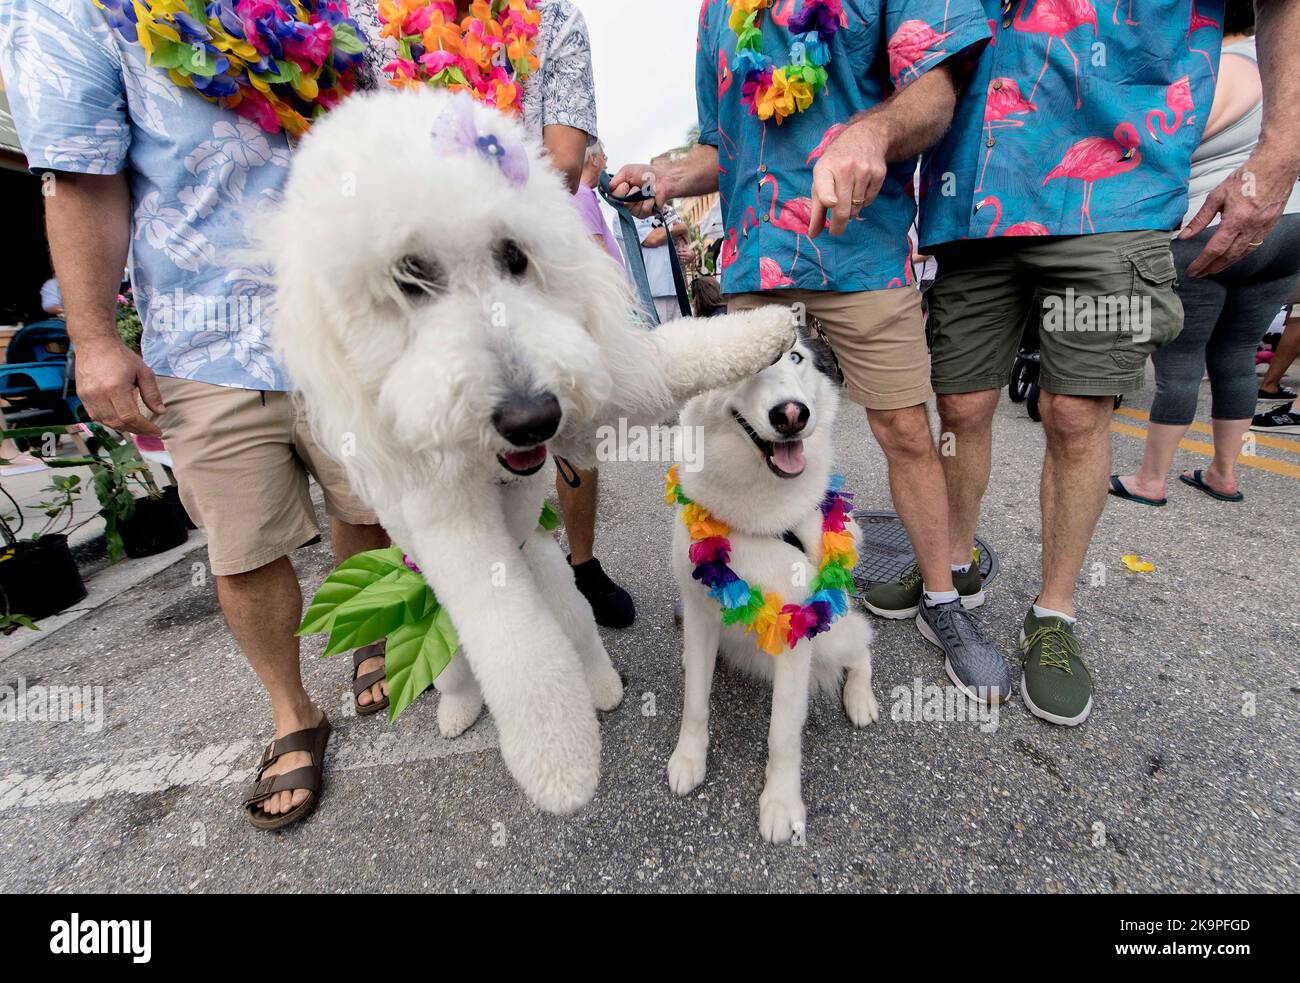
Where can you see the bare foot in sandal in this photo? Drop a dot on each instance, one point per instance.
(369, 685)
(310, 729)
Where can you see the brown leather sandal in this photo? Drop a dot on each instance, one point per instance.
(312, 741)
(362, 683)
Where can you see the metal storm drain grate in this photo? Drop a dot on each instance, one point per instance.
(886, 552)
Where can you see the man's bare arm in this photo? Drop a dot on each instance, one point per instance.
(567, 148)
(852, 170)
(88, 222)
(694, 174)
(1252, 199)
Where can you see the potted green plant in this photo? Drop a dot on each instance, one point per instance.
(38, 575)
(139, 518)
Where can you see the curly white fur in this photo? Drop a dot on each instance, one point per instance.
(403, 389)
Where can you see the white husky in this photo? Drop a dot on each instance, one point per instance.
(450, 325)
(767, 454)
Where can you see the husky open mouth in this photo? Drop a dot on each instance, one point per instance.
(785, 458)
(524, 463)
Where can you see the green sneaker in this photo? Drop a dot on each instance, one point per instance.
(902, 600)
(1056, 685)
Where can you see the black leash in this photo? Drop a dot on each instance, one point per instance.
(635, 261)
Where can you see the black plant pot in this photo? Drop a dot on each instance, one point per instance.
(41, 578)
(173, 495)
(155, 527)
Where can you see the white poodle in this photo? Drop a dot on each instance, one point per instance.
(450, 324)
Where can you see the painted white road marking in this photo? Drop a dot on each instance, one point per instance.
(222, 764)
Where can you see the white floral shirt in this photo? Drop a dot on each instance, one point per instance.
(84, 101)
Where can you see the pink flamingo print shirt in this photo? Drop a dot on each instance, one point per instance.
(1081, 117)
(766, 169)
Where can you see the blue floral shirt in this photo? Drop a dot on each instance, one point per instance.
(1081, 116)
(766, 169)
(84, 101)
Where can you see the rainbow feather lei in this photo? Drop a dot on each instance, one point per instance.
(770, 91)
(775, 625)
(488, 54)
(278, 63)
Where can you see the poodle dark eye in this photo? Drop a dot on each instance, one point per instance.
(417, 277)
(512, 258)
(796, 357)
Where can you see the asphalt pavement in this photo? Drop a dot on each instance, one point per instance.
(1186, 777)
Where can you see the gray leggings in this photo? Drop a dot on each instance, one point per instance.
(1226, 316)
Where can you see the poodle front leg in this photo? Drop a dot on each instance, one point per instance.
(702, 630)
(525, 664)
(781, 812)
(696, 357)
(547, 561)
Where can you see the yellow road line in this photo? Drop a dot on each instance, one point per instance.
(1261, 440)
(1207, 450)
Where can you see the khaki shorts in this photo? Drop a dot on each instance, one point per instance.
(878, 337)
(242, 460)
(1104, 303)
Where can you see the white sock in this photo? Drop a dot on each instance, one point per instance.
(934, 598)
(961, 569)
(1041, 612)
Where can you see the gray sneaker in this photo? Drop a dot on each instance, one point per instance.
(976, 667)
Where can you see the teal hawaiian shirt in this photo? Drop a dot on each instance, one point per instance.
(766, 169)
(1080, 117)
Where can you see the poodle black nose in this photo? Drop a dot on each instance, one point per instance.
(789, 418)
(528, 420)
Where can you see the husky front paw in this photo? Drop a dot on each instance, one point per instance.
(686, 768)
(859, 701)
(781, 815)
(457, 712)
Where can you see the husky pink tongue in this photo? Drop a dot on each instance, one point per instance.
(526, 460)
(789, 458)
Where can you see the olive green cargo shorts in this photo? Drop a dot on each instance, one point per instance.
(1104, 303)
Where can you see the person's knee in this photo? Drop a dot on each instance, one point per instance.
(903, 434)
(967, 412)
(1075, 420)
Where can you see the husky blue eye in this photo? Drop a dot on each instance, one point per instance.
(796, 357)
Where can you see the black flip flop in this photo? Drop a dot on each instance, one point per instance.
(1119, 491)
(1197, 481)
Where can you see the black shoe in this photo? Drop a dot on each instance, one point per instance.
(1283, 395)
(1280, 420)
(610, 603)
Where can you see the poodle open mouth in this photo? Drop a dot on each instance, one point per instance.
(785, 458)
(524, 463)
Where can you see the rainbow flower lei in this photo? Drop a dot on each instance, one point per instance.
(278, 63)
(775, 625)
(488, 54)
(780, 92)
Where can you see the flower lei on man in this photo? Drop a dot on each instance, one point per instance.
(769, 91)
(774, 624)
(488, 54)
(279, 63)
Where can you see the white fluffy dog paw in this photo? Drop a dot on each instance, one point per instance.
(859, 701)
(551, 744)
(781, 815)
(686, 769)
(606, 687)
(457, 712)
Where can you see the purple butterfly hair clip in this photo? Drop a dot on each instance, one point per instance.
(456, 133)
